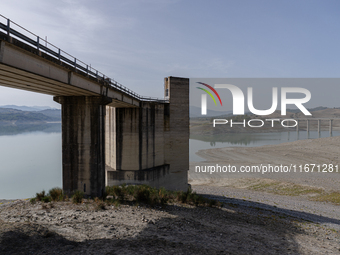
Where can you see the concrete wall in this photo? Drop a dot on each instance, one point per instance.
(83, 137)
(151, 142)
(140, 137)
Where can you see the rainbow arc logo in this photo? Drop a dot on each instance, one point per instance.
(204, 97)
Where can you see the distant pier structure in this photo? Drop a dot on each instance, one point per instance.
(309, 121)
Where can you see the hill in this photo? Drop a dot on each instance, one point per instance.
(53, 113)
(27, 108)
(10, 116)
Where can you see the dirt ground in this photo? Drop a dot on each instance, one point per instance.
(64, 228)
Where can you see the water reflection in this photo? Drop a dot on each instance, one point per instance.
(243, 139)
(30, 162)
(27, 128)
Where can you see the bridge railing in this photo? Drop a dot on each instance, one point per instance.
(18, 32)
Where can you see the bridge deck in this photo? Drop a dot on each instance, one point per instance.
(27, 64)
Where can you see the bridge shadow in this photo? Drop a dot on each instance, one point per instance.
(235, 229)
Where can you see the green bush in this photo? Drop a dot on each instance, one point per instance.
(56, 194)
(40, 195)
(130, 190)
(116, 191)
(163, 196)
(142, 194)
(196, 199)
(77, 197)
(46, 199)
(182, 196)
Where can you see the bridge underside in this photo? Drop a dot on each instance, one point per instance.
(26, 68)
(19, 79)
(106, 132)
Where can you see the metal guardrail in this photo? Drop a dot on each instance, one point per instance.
(43, 45)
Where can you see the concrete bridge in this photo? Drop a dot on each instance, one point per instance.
(110, 135)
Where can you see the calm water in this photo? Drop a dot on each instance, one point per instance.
(31, 160)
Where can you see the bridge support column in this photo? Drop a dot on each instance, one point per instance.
(83, 144)
(177, 137)
(150, 144)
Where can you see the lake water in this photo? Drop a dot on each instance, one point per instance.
(31, 160)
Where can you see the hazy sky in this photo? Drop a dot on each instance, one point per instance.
(139, 42)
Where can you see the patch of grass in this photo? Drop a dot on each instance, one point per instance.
(333, 197)
(290, 189)
(286, 189)
(264, 186)
(77, 197)
(56, 194)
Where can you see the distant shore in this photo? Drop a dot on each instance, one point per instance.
(204, 125)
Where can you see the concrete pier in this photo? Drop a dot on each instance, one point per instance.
(150, 144)
(308, 126)
(319, 126)
(83, 144)
(307, 129)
